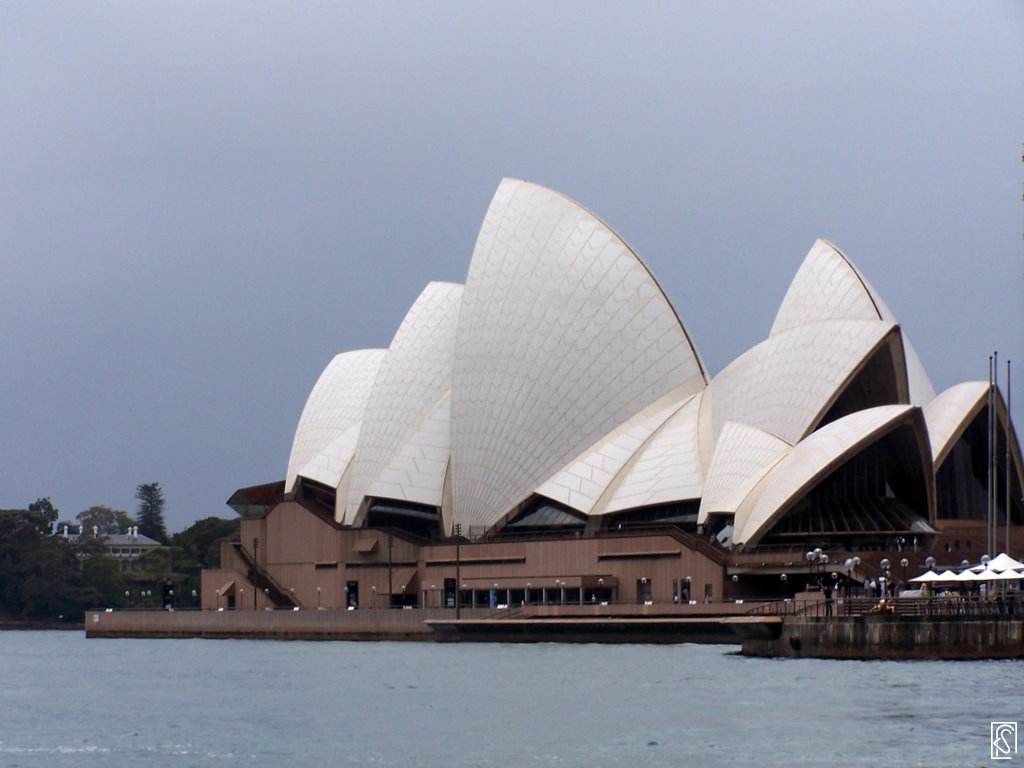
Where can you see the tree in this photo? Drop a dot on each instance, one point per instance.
(200, 542)
(105, 520)
(39, 573)
(45, 507)
(103, 582)
(151, 511)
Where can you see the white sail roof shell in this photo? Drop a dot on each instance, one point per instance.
(950, 413)
(563, 336)
(829, 287)
(417, 470)
(812, 460)
(326, 434)
(414, 376)
(583, 482)
(786, 383)
(742, 456)
(665, 469)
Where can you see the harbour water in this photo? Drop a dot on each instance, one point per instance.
(66, 701)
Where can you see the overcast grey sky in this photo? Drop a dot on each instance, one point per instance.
(201, 203)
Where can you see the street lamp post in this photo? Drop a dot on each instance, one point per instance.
(904, 562)
(850, 566)
(318, 598)
(374, 599)
(458, 569)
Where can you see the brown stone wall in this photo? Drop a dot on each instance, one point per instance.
(314, 560)
(893, 637)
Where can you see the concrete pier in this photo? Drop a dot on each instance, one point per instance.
(884, 637)
(590, 623)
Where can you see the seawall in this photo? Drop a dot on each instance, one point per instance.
(886, 637)
(569, 623)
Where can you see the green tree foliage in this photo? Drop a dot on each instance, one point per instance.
(200, 542)
(196, 548)
(105, 520)
(45, 507)
(45, 577)
(102, 581)
(151, 511)
(39, 573)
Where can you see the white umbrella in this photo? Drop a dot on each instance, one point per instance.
(1008, 576)
(948, 575)
(926, 577)
(1003, 562)
(983, 576)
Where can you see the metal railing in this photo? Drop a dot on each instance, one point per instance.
(995, 606)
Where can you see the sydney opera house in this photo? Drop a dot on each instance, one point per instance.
(548, 433)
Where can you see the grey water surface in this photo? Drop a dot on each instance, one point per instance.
(68, 701)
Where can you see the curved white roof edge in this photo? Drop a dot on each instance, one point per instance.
(329, 466)
(335, 403)
(743, 455)
(829, 286)
(665, 469)
(922, 391)
(415, 375)
(786, 384)
(826, 286)
(563, 336)
(668, 300)
(812, 460)
(950, 413)
(584, 481)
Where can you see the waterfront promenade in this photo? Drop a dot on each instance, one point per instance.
(907, 628)
(530, 623)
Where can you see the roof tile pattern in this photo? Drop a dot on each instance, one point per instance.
(829, 287)
(784, 384)
(333, 409)
(666, 469)
(582, 483)
(414, 376)
(563, 335)
(826, 287)
(417, 472)
(743, 454)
